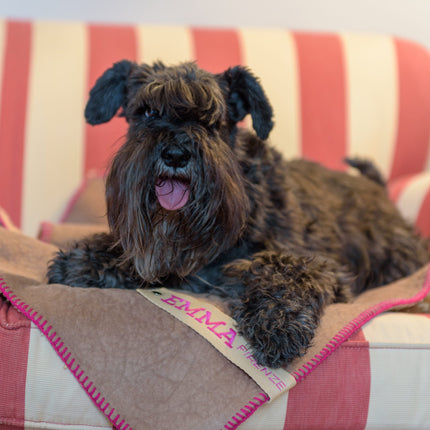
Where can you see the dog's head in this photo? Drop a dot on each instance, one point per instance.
(175, 192)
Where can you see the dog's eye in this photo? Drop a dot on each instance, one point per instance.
(151, 113)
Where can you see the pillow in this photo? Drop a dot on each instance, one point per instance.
(85, 215)
(88, 204)
(64, 234)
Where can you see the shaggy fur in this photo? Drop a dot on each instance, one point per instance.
(280, 240)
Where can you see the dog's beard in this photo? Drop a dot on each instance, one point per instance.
(162, 242)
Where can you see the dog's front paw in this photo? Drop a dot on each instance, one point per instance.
(73, 268)
(277, 333)
(92, 262)
(282, 301)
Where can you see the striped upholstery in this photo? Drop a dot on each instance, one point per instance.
(333, 95)
(41, 393)
(383, 391)
(377, 379)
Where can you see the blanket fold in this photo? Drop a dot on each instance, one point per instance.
(144, 368)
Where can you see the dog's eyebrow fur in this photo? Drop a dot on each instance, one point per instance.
(185, 92)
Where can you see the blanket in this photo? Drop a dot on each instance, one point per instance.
(146, 369)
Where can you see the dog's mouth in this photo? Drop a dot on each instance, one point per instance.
(172, 193)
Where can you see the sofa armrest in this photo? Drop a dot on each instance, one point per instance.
(411, 193)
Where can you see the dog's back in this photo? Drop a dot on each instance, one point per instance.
(345, 217)
(351, 219)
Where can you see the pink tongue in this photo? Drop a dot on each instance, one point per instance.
(172, 194)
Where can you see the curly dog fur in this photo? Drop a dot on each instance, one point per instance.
(194, 202)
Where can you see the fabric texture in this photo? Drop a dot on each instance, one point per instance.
(161, 370)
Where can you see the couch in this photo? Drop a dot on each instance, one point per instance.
(334, 95)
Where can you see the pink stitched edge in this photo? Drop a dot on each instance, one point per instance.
(331, 346)
(95, 395)
(246, 411)
(356, 324)
(62, 351)
(253, 404)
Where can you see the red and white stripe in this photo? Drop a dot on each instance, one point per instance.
(387, 387)
(15, 46)
(412, 196)
(52, 159)
(372, 96)
(333, 95)
(68, 409)
(37, 390)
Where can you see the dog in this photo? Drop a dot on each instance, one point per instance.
(194, 201)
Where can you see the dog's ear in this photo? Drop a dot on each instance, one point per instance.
(245, 96)
(108, 93)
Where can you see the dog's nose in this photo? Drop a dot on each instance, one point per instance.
(174, 156)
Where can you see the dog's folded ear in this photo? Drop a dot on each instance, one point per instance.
(246, 96)
(108, 93)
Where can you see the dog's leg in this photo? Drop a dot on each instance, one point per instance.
(92, 262)
(282, 301)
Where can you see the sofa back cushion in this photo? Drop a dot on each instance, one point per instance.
(333, 95)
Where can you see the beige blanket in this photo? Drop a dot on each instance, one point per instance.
(149, 368)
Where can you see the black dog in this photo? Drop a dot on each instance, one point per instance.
(195, 203)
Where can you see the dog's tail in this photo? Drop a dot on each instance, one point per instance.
(366, 168)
